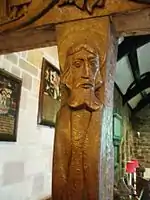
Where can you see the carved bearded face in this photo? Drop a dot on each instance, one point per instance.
(80, 77)
(84, 69)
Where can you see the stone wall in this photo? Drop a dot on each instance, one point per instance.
(26, 165)
(142, 149)
(134, 145)
(126, 145)
(141, 122)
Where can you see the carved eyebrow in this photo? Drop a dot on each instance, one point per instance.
(92, 57)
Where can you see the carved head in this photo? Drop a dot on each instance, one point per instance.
(82, 68)
(82, 76)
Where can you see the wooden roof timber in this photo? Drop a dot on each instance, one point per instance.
(134, 23)
(48, 12)
(127, 17)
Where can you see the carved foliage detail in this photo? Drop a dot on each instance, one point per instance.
(13, 10)
(18, 8)
(88, 5)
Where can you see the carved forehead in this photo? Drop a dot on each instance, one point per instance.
(77, 48)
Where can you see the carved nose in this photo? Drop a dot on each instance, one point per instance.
(86, 73)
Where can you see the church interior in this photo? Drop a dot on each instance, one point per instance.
(74, 100)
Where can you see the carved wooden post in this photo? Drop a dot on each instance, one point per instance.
(83, 150)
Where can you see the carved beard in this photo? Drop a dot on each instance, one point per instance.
(84, 98)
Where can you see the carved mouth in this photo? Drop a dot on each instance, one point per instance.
(87, 85)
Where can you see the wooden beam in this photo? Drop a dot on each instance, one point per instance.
(131, 43)
(133, 23)
(72, 13)
(41, 33)
(48, 12)
(27, 39)
(133, 59)
(133, 89)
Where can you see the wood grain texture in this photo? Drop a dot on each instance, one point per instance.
(48, 12)
(42, 32)
(87, 5)
(134, 23)
(80, 158)
(27, 39)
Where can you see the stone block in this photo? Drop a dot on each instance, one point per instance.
(23, 54)
(16, 71)
(13, 172)
(35, 57)
(51, 54)
(5, 64)
(28, 67)
(27, 81)
(32, 107)
(12, 58)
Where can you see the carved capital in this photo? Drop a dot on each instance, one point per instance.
(18, 8)
(12, 10)
(87, 5)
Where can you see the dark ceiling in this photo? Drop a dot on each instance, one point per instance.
(133, 71)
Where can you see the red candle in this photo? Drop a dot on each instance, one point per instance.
(130, 167)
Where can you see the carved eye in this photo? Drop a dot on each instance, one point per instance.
(77, 63)
(93, 62)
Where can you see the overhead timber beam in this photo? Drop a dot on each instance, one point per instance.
(132, 23)
(27, 39)
(133, 59)
(41, 12)
(131, 43)
(48, 13)
(133, 89)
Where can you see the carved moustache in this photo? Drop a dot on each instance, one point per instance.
(85, 83)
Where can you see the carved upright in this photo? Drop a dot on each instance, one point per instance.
(78, 165)
(83, 147)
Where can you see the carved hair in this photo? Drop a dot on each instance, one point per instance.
(66, 78)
